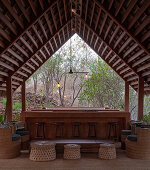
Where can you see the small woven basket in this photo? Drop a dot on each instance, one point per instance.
(107, 151)
(42, 151)
(72, 151)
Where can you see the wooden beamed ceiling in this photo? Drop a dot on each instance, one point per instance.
(33, 30)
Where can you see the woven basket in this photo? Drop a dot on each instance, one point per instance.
(107, 151)
(72, 151)
(42, 151)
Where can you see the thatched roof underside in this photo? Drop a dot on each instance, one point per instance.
(33, 30)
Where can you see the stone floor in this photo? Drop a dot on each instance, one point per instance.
(89, 161)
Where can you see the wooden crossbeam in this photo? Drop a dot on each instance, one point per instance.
(107, 56)
(86, 9)
(37, 34)
(25, 69)
(65, 9)
(130, 50)
(110, 4)
(28, 64)
(121, 65)
(60, 17)
(48, 23)
(117, 62)
(103, 50)
(124, 45)
(4, 34)
(108, 29)
(32, 4)
(99, 12)
(124, 70)
(53, 17)
(103, 23)
(135, 55)
(128, 74)
(22, 74)
(26, 44)
(38, 58)
(114, 34)
(42, 54)
(21, 50)
(119, 39)
(3, 73)
(92, 13)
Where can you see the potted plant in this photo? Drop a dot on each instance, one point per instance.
(146, 120)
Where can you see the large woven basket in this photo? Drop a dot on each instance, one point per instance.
(72, 151)
(42, 151)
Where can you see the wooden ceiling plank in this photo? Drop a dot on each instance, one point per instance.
(17, 78)
(43, 29)
(135, 55)
(142, 25)
(3, 73)
(119, 39)
(13, 13)
(41, 4)
(65, 9)
(128, 74)
(87, 36)
(128, 10)
(119, 7)
(30, 65)
(143, 67)
(35, 62)
(22, 74)
(26, 44)
(99, 12)
(92, 13)
(37, 34)
(1, 79)
(21, 50)
(32, 7)
(60, 17)
(114, 34)
(38, 58)
(145, 36)
(53, 17)
(63, 32)
(121, 65)
(107, 56)
(86, 9)
(92, 37)
(139, 13)
(26, 69)
(6, 66)
(103, 51)
(51, 46)
(55, 42)
(115, 63)
(4, 56)
(20, 5)
(32, 39)
(122, 26)
(15, 55)
(59, 38)
(48, 23)
(47, 50)
(95, 43)
(134, 83)
(103, 23)
(5, 35)
(141, 60)
(110, 4)
(2, 88)
(15, 83)
(108, 29)
(42, 54)
(132, 78)
(7, 23)
(146, 73)
(112, 58)
(130, 50)
(100, 46)
(124, 70)
(124, 45)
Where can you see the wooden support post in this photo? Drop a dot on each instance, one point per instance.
(126, 97)
(140, 98)
(9, 99)
(23, 94)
